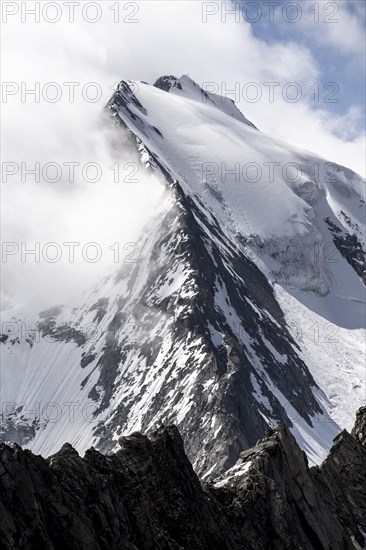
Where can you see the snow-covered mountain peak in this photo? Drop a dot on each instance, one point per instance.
(190, 90)
(263, 191)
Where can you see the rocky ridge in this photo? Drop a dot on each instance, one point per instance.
(147, 496)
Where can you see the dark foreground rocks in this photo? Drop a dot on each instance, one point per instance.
(146, 496)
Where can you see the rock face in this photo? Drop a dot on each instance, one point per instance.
(147, 496)
(320, 507)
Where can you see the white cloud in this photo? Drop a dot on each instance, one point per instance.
(340, 26)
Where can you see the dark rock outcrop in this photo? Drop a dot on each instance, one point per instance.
(349, 245)
(147, 496)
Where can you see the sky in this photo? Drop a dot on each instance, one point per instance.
(334, 35)
(73, 53)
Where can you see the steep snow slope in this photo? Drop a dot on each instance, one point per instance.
(332, 346)
(261, 189)
(193, 333)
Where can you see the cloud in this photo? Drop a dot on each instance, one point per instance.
(340, 25)
(169, 38)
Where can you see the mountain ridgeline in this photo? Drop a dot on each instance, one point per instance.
(146, 496)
